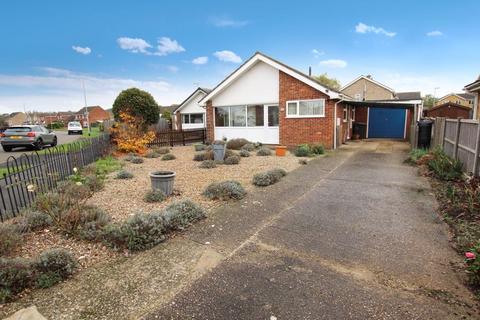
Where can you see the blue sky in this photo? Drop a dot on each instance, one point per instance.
(168, 47)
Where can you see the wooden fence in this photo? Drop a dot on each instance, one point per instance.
(460, 139)
(178, 137)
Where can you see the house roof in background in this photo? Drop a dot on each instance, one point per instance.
(410, 95)
(83, 110)
(467, 96)
(199, 89)
(474, 86)
(368, 78)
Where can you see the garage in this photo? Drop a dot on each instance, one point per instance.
(387, 123)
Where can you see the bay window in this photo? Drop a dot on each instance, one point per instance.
(246, 116)
(306, 108)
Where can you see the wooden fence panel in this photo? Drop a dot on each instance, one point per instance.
(460, 139)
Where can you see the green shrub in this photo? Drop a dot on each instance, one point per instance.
(264, 151)
(248, 147)
(182, 213)
(91, 223)
(15, 276)
(53, 266)
(137, 103)
(94, 183)
(303, 150)
(244, 153)
(201, 156)
(236, 144)
(152, 154)
(267, 178)
(232, 160)
(34, 220)
(136, 160)
(106, 165)
(154, 196)
(207, 164)
(199, 147)
(143, 231)
(10, 238)
(303, 161)
(124, 174)
(317, 149)
(416, 154)
(130, 156)
(444, 167)
(163, 150)
(224, 190)
(168, 156)
(114, 236)
(229, 153)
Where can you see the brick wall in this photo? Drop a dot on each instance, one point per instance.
(449, 111)
(304, 130)
(210, 126)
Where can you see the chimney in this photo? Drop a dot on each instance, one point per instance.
(369, 76)
(309, 71)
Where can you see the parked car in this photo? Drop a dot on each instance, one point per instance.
(30, 136)
(74, 127)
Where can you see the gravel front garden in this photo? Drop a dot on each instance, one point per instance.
(123, 198)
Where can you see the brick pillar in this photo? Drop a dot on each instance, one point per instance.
(210, 124)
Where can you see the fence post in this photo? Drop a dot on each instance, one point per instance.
(183, 137)
(203, 135)
(477, 151)
(457, 137)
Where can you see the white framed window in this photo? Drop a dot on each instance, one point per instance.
(314, 108)
(192, 118)
(345, 114)
(246, 116)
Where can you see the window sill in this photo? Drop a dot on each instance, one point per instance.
(303, 117)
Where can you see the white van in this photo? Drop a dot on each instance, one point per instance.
(74, 127)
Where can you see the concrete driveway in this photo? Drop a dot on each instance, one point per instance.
(62, 136)
(353, 235)
(363, 242)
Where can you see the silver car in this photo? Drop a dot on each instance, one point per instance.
(30, 136)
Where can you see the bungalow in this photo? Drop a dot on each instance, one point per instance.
(267, 101)
(190, 114)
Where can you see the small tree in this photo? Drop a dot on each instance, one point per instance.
(138, 104)
(167, 115)
(130, 135)
(429, 101)
(332, 83)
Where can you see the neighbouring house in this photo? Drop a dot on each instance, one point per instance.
(190, 114)
(16, 118)
(95, 114)
(474, 89)
(453, 105)
(267, 101)
(378, 111)
(62, 117)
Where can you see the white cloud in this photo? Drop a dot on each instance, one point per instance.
(59, 89)
(316, 53)
(82, 50)
(227, 56)
(363, 28)
(334, 63)
(173, 69)
(133, 44)
(434, 33)
(200, 60)
(227, 22)
(167, 46)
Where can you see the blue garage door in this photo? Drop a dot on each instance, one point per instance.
(386, 123)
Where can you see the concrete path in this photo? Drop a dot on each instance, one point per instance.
(363, 242)
(353, 235)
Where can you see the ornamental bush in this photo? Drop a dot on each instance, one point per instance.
(236, 144)
(92, 220)
(124, 174)
(303, 150)
(244, 153)
(143, 231)
(34, 220)
(225, 190)
(207, 164)
(317, 149)
(231, 160)
(15, 276)
(182, 213)
(152, 154)
(10, 238)
(168, 156)
(154, 196)
(136, 160)
(264, 151)
(267, 178)
(53, 266)
(248, 147)
(137, 103)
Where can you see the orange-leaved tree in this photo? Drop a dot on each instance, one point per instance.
(130, 134)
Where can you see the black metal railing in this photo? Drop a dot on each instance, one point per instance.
(178, 137)
(39, 172)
